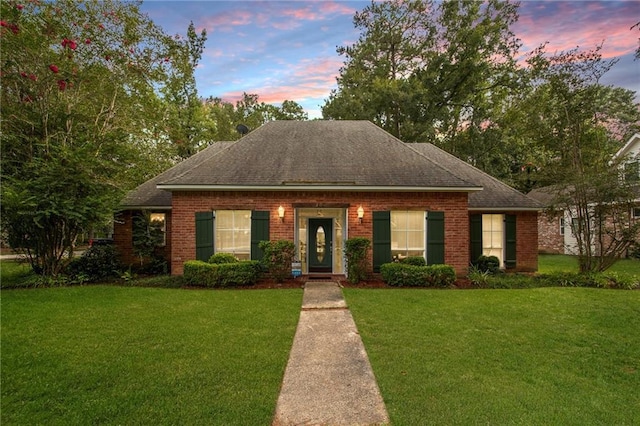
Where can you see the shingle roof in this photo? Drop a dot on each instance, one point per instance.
(148, 195)
(320, 154)
(306, 154)
(495, 195)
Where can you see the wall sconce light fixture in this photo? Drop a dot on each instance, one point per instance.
(281, 213)
(360, 213)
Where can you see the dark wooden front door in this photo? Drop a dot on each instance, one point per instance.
(320, 245)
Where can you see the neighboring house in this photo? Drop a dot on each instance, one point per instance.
(554, 228)
(318, 183)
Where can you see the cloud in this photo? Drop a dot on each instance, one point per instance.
(566, 25)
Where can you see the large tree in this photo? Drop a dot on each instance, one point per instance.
(79, 90)
(429, 72)
(576, 125)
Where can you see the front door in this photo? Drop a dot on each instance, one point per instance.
(320, 245)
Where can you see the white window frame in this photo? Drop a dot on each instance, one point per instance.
(240, 249)
(399, 221)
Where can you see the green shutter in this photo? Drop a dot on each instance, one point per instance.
(259, 232)
(204, 235)
(381, 239)
(475, 237)
(435, 238)
(510, 241)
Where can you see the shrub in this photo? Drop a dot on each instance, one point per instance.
(403, 275)
(199, 273)
(414, 260)
(357, 263)
(223, 258)
(97, 263)
(477, 277)
(277, 258)
(490, 264)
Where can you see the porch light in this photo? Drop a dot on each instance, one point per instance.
(281, 213)
(360, 213)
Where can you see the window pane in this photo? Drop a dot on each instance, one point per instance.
(407, 233)
(233, 232)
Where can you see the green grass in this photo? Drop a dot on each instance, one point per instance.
(533, 357)
(549, 263)
(118, 355)
(14, 273)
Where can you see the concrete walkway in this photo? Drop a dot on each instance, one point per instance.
(328, 379)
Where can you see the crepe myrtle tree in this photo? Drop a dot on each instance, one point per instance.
(79, 86)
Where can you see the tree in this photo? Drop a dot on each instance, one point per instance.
(429, 72)
(79, 89)
(249, 111)
(185, 121)
(578, 123)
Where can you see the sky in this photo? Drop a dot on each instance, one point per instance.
(286, 50)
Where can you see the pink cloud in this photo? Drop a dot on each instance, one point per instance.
(566, 25)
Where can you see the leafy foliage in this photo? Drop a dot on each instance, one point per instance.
(278, 256)
(405, 275)
(199, 273)
(223, 258)
(96, 264)
(148, 235)
(414, 260)
(356, 251)
(489, 264)
(78, 92)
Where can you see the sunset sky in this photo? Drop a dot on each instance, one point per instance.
(287, 49)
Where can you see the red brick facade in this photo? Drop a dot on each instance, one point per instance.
(549, 237)
(181, 232)
(123, 236)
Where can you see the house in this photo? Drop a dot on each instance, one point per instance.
(554, 227)
(318, 183)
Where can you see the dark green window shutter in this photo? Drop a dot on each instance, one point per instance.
(259, 232)
(435, 238)
(510, 241)
(204, 235)
(381, 239)
(475, 237)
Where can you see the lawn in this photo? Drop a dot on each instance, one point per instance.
(118, 355)
(543, 356)
(549, 263)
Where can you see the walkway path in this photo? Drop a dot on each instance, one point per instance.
(328, 379)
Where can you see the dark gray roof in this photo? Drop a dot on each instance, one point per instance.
(307, 154)
(148, 195)
(495, 195)
(327, 154)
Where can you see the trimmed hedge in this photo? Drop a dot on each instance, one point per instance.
(199, 273)
(414, 260)
(223, 258)
(406, 275)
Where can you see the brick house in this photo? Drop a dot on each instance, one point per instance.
(318, 183)
(554, 226)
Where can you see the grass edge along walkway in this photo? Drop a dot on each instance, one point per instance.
(539, 356)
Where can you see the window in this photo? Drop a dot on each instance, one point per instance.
(632, 171)
(636, 212)
(493, 235)
(158, 222)
(233, 233)
(562, 226)
(407, 234)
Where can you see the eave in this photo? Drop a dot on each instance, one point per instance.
(335, 188)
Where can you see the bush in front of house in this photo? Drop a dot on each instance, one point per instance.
(277, 259)
(414, 260)
(490, 264)
(96, 263)
(405, 275)
(223, 258)
(204, 274)
(356, 249)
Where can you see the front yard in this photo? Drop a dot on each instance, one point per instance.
(117, 355)
(543, 356)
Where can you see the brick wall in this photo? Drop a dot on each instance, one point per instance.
(187, 203)
(549, 238)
